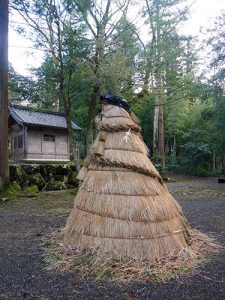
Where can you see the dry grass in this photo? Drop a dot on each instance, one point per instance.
(139, 219)
(116, 140)
(93, 265)
(113, 118)
(122, 205)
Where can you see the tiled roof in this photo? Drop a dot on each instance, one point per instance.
(35, 117)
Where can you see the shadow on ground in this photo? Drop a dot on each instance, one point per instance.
(25, 221)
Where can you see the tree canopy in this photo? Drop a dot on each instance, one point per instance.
(92, 47)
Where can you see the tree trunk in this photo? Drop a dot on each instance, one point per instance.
(66, 102)
(4, 166)
(91, 116)
(99, 55)
(214, 160)
(169, 150)
(220, 163)
(174, 155)
(64, 95)
(156, 131)
(161, 138)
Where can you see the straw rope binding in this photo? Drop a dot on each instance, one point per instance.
(124, 219)
(123, 205)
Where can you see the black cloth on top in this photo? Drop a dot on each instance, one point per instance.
(116, 100)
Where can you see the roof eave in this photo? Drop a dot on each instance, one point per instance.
(16, 118)
(49, 126)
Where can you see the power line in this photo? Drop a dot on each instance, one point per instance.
(26, 47)
(26, 24)
(20, 23)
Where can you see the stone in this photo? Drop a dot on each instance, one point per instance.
(14, 172)
(70, 187)
(3, 200)
(23, 179)
(51, 169)
(37, 180)
(16, 187)
(72, 179)
(63, 170)
(43, 171)
(55, 186)
(31, 169)
(221, 180)
(168, 179)
(72, 167)
(61, 178)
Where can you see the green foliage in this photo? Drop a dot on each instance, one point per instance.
(51, 259)
(108, 55)
(15, 187)
(31, 189)
(144, 109)
(199, 141)
(10, 191)
(19, 86)
(48, 244)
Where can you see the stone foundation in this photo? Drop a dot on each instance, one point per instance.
(43, 177)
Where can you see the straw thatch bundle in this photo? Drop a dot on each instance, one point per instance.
(123, 206)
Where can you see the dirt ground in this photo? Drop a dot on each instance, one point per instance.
(24, 222)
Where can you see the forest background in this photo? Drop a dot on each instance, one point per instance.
(95, 46)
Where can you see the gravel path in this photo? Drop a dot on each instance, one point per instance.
(23, 223)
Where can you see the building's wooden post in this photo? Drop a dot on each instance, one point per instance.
(4, 166)
(12, 144)
(25, 142)
(55, 144)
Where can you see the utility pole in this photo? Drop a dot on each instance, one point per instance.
(4, 165)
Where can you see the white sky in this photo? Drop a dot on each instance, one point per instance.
(202, 14)
(22, 57)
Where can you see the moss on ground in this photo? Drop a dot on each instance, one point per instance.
(44, 203)
(55, 186)
(194, 193)
(58, 202)
(10, 193)
(32, 189)
(60, 210)
(169, 180)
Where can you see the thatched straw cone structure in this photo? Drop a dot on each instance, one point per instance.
(123, 207)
